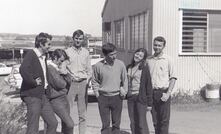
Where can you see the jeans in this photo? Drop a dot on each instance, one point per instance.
(160, 113)
(77, 92)
(37, 107)
(137, 114)
(110, 106)
(61, 107)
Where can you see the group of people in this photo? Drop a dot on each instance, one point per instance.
(50, 87)
(146, 83)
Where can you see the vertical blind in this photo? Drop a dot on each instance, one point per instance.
(138, 30)
(214, 32)
(119, 33)
(194, 34)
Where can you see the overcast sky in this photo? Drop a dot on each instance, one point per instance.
(57, 17)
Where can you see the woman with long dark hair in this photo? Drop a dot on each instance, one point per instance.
(139, 96)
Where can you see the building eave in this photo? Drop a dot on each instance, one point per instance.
(105, 4)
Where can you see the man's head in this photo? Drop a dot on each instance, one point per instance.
(43, 42)
(110, 52)
(159, 44)
(78, 38)
(58, 56)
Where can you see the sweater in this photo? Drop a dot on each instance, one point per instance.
(56, 83)
(108, 79)
(145, 95)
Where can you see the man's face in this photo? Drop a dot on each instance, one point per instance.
(158, 47)
(111, 57)
(46, 47)
(59, 61)
(78, 40)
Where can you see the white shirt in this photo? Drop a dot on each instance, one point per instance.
(43, 64)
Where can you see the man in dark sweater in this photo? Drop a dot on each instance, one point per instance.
(33, 71)
(109, 82)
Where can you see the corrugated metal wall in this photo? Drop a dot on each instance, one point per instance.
(193, 72)
(123, 9)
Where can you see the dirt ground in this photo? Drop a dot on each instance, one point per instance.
(202, 118)
(199, 119)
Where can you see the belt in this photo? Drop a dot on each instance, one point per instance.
(160, 89)
(79, 80)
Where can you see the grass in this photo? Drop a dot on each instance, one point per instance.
(195, 101)
(12, 116)
(185, 97)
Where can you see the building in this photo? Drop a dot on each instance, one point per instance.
(192, 29)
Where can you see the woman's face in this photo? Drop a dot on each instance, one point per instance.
(138, 56)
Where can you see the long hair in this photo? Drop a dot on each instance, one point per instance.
(58, 53)
(142, 62)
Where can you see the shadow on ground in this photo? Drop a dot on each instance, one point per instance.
(124, 132)
(42, 132)
(121, 132)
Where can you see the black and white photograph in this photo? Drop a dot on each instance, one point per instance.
(110, 66)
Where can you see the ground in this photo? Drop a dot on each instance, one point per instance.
(203, 118)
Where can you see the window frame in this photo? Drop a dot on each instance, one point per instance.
(207, 35)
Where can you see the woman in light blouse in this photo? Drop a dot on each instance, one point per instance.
(139, 97)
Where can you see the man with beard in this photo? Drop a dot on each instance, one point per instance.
(110, 84)
(80, 69)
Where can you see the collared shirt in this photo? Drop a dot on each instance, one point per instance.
(80, 62)
(43, 64)
(108, 79)
(161, 71)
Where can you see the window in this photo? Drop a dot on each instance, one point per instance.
(106, 28)
(201, 31)
(138, 31)
(119, 33)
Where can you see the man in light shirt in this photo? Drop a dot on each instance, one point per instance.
(163, 80)
(34, 86)
(80, 69)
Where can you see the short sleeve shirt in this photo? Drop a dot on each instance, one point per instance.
(161, 71)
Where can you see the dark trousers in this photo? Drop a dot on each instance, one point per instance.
(137, 114)
(61, 107)
(37, 107)
(160, 113)
(110, 107)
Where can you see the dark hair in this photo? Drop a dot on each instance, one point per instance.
(108, 48)
(142, 62)
(77, 32)
(42, 39)
(58, 53)
(160, 39)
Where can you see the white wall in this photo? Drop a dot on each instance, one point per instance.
(193, 72)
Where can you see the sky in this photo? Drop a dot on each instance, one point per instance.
(56, 17)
